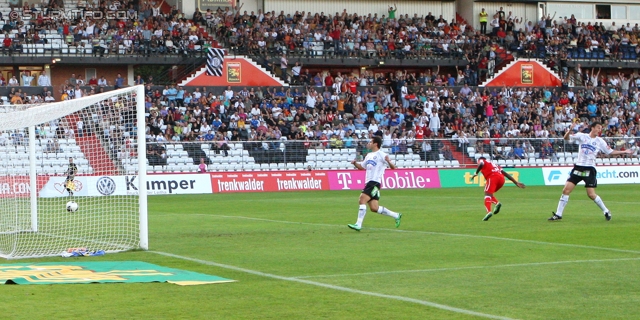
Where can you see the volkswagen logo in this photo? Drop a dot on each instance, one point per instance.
(106, 186)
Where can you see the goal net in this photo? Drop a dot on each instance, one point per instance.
(72, 151)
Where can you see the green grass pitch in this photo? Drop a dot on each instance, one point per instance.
(295, 258)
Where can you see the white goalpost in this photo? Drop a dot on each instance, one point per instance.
(74, 150)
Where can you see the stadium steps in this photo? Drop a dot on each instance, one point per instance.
(458, 155)
(196, 153)
(94, 152)
(501, 70)
(460, 20)
(506, 57)
(165, 7)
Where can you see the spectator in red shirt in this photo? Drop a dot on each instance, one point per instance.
(564, 100)
(352, 85)
(7, 45)
(419, 133)
(501, 35)
(328, 80)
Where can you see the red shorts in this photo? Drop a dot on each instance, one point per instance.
(494, 183)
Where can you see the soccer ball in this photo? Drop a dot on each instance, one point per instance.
(72, 206)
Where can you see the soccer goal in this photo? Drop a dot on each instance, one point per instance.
(89, 153)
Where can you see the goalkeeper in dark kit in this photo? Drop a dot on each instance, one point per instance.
(71, 174)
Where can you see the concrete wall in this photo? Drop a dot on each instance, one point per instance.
(59, 74)
(470, 11)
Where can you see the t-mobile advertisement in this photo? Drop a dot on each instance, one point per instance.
(393, 179)
(320, 180)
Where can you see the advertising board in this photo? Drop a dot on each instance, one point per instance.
(462, 177)
(557, 176)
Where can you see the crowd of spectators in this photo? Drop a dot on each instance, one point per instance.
(352, 35)
(336, 110)
(522, 118)
(556, 40)
(405, 113)
(106, 27)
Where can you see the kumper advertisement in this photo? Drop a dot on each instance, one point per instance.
(463, 177)
(94, 186)
(557, 176)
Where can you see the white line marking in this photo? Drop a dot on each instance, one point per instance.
(467, 268)
(518, 199)
(334, 287)
(428, 232)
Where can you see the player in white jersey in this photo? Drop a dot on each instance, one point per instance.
(375, 163)
(584, 169)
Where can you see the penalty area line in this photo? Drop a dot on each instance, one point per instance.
(461, 235)
(531, 264)
(334, 287)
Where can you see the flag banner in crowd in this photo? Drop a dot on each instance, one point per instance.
(215, 60)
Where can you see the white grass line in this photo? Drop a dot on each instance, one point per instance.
(555, 200)
(334, 287)
(569, 245)
(532, 264)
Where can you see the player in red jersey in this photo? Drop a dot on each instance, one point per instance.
(494, 176)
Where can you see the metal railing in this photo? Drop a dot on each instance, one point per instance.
(61, 49)
(338, 154)
(342, 49)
